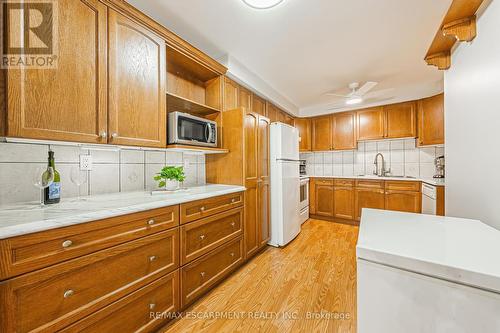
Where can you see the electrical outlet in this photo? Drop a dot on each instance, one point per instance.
(85, 162)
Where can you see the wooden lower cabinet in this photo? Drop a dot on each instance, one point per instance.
(403, 201)
(368, 198)
(324, 196)
(343, 200)
(201, 275)
(142, 311)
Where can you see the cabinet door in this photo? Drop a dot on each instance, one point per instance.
(137, 84)
(344, 131)
(324, 200)
(322, 133)
(304, 127)
(368, 198)
(68, 103)
(431, 121)
(312, 196)
(251, 230)
(245, 99)
(272, 112)
(259, 105)
(370, 123)
(343, 203)
(287, 119)
(230, 94)
(401, 120)
(264, 185)
(403, 201)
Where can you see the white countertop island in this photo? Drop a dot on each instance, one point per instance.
(22, 219)
(423, 273)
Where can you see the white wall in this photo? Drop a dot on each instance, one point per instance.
(472, 124)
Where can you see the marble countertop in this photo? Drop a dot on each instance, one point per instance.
(454, 249)
(431, 181)
(22, 219)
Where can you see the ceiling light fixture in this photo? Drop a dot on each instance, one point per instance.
(262, 4)
(354, 100)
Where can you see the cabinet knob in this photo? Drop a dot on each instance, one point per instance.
(233, 200)
(152, 258)
(68, 293)
(152, 306)
(232, 254)
(151, 222)
(103, 135)
(114, 135)
(202, 237)
(202, 208)
(67, 243)
(202, 274)
(233, 224)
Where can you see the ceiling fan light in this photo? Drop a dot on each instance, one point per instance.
(262, 4)
(354, 100)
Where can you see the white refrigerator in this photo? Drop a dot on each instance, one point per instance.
(285, 184)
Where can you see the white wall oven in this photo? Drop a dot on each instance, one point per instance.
(304, 199)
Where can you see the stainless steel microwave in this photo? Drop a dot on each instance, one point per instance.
(187, 129)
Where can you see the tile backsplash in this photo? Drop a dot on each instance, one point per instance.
(402, 157)
(120, 170)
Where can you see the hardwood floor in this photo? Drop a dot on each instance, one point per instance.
(316, 273)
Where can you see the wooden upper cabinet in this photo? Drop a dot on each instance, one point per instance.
(322, 133)
(287, 119)
(304, 127)
(245, 99)
(259, 105)
(401, 120)
(370, 123)
(231, 92)
(344, 131)
(69, 102)
(431, 121)
(137, 84)
(272, 112)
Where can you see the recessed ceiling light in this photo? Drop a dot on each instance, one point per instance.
(262, 4)
(354, 100)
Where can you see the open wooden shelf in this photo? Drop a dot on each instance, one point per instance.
(179, 103)
(198, 149)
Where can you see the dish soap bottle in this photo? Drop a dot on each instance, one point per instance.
(52, 193)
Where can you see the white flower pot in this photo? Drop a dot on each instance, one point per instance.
(171, 185)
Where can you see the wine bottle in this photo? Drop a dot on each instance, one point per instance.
(52, 193)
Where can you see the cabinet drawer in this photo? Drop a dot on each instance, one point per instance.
(202, 274)
(370, 183)
(34, 251)
(323, 181)
(344, 182)
(402, 186)
(195, 210)
(202, 236)
(141, 311)
(54, 297)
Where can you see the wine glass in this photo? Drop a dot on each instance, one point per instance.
(78, 177)
(42, 178)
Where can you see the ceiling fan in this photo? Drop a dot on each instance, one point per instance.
(357, 95)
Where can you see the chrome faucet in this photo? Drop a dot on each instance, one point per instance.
(380, 168)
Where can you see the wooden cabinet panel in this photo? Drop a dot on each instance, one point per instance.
(312, 196)
(245, 99)
(200, 237)
(304, 127)
(402, 185)
(195, 210)
(324, 200)
(370, 123)
(68, 103)
(264, 181)
(252, 219)
(259, 105)
(344, 131)
(401, 120)
(137, 84)
(322, 133)
(231, 94)
(34, 251)
(272, 112)
(56, 296)
(133, 312)
(368, 198)
(403, 201)
(343, 203)
(370, 183)
(200, 275)
(440, 201)
(287, 119)
(431, 120)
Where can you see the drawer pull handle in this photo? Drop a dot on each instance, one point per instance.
(202, 274)
(67, 243)
(151, 222)
(152, 258)
(202, 208)
(152, 306)
(232, 254)
(202, 237)
(233, 224)
(233, 200)
(68, 293)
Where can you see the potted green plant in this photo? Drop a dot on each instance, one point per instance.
(169, 177)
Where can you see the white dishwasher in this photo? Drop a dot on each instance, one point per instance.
(429, 196)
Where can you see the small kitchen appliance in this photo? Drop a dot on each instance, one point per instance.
(439, 164)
